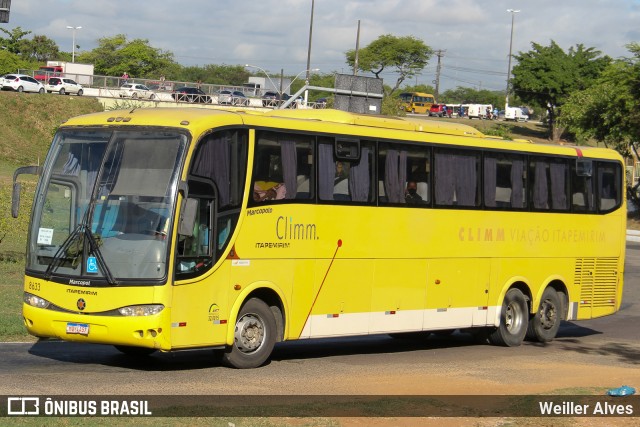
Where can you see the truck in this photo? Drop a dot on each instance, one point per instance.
(516, 114)
(257, 86)
(81, 73)
(479, 111)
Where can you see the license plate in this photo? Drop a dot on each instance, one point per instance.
(78, 328)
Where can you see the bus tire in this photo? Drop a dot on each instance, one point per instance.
(544, 324)
(254, 336)
(135, 351)
(514, 320)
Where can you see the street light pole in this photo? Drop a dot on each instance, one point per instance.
(73, 48)
(299, 74)
(513, 14)
(306, 92)
(265, 73)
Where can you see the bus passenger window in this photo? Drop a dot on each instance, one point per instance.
(609, 185)
(504, 181)
(456, 178)
(341, 180)
(282, 167)
(549, 183)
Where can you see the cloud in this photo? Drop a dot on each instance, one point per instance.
(274, 33)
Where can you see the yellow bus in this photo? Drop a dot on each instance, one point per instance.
(417, 102)
(171, 229)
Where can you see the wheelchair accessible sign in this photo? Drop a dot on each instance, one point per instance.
(92, 265)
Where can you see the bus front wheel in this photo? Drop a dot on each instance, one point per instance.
(254, 336)
(544, 324)
(514, 320)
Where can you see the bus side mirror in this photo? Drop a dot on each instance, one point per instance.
(188, 217)
(15, 200)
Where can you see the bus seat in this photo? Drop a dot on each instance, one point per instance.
(303, 184)
(381, 192)
(578, 199)
(606, 204)
(423, 190)
(341, 190)
(503, 195)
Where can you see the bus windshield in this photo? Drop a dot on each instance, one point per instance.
(103, 210)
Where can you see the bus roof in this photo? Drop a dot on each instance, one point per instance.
(200, 119)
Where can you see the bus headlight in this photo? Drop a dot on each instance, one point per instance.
(141, 310)
(35, 301)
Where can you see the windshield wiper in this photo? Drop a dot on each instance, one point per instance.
(73, 247)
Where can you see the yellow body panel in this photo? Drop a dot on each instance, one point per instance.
(344, 270)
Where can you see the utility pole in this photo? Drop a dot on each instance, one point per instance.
(355, 63)
(440, 54)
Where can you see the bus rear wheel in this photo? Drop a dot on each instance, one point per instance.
(514, 320)
(544, 324)
(254, 336)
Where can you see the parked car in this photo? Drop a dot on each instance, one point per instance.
(271, 99)
(232, 97)
(320, 103)
(438, 110)
(190, 94)
(135, 91)
(63, 86)
(21, 83)
(275, 99)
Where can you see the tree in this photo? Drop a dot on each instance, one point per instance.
(234, 75)
(116, 55)
(466, 95)
(546, 76)
(609, 110)
(10, 62)
(14, 42)
(405, 55)
(39, 49)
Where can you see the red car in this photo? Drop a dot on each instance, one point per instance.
(438, 110)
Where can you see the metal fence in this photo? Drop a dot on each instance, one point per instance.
(109, 87)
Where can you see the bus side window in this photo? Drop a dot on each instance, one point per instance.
(456, 177)
(504, 181)
(582, 191)
(283, 167)
(609, 185)
(344, 181)
(549, 183)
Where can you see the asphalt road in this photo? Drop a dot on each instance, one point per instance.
(596, 353)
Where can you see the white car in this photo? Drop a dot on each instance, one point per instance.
(136, 91)
(63, 86)
(21, 83)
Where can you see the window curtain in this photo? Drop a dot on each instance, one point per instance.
(289, 168)
(517, 185)
(213, 161)
(490, 171)
(558, 185)
(444, 178)
(466, 180)
(359, 178)
(395, 175)
(326, 171)
(540, 189)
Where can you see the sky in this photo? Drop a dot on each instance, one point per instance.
(274, 34)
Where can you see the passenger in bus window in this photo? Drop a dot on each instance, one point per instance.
(268, 190)
(411, 195)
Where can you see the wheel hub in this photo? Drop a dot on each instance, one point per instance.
(249, 334)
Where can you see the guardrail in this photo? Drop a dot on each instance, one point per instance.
(109, 87)
(633, 236)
